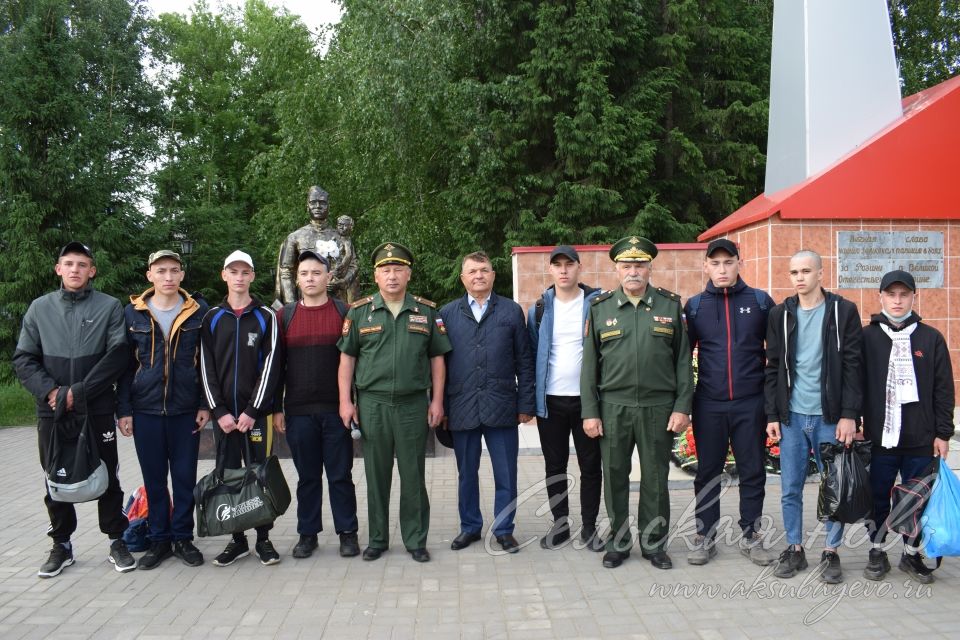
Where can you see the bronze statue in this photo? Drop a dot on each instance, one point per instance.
(346, 270)
(318, 236)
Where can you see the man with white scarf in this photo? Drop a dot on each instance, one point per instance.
(907, 409)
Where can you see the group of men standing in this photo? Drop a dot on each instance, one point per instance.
(613, 370)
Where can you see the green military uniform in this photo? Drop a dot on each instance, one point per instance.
(392, 377)
(636, 371)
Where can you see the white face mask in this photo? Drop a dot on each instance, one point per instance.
(895, 319)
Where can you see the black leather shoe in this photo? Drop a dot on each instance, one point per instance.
(372, 553)
(349, 546)
(659, 559)
(613, 559)
(305, 546)
(420, 555)
(508, 543)
(558, 534)
(464, 540)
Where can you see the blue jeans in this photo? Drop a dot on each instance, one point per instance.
(797, 438)
(503, 446)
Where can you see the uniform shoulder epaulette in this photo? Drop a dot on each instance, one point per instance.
(670, 295)
(429, 303)
(603, 296)
(361, 302)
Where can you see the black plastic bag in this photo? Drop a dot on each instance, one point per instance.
(845, 494)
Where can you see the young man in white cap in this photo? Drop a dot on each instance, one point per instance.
(239, 349)
(907, 410)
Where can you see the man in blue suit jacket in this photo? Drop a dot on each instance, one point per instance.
(489, 390)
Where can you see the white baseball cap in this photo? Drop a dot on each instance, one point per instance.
(238, 256)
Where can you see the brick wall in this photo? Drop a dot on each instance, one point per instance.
(766, 248)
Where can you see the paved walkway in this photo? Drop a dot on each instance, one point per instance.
(475, 593)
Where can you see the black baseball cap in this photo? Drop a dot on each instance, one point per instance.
(722, 244)
(75, 247)
(893, 277)
(309, 253)
(565, 250)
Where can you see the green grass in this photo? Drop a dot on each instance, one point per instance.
(17, 407)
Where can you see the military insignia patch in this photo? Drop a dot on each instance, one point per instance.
(418, 319)
(346, 327)
(663, 319)
(664, 330)
(611, 322)
(376, 328)
(586, 328)
(605, 335)
(418, 328)
(441, 326)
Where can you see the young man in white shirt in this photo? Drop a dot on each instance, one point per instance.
(555, 323)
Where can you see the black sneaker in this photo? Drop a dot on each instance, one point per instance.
(790, 562)
(267, 554)
(234, 550)
(305, 546)
(877, 565)
(158, 552)
(913, 566)
(188, 553)
(121, 557)
(349, 545)
(830, 571)
(60, 557)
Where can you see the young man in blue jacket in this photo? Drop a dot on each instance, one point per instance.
(240, 371)
(489, 391)
(160, 404)
(727, 324)
(555, 322)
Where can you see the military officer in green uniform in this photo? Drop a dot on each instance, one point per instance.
(636, 389)
(392, 345)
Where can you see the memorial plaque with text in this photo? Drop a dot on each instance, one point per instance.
(864, 256)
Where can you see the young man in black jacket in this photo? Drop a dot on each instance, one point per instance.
(813, 395)
(72, 350)
(239, 369)
(907, 409)
(727, 324)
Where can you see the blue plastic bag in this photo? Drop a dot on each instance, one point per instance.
(941, 518)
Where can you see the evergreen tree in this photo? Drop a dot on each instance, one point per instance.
(77, 127)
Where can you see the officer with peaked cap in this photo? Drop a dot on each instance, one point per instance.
(636, 389)
(392, 345)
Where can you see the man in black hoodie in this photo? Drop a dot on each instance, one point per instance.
(907, 409)
(813, 395)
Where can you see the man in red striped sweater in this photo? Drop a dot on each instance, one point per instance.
(309, 398)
